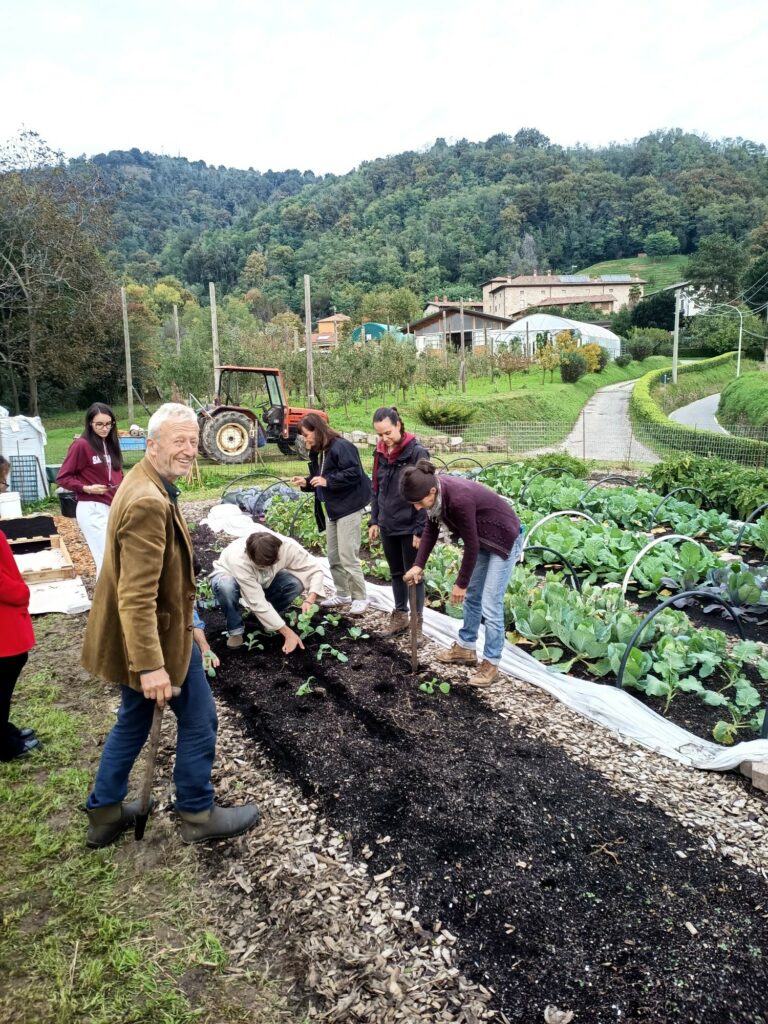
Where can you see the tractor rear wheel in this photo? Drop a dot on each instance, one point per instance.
(227, 438)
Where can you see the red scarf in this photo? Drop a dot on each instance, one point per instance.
(390, 454)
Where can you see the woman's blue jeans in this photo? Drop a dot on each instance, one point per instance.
(484, 601)
(195, 712)
(280, 593)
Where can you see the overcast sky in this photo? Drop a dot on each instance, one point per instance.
(326, 85)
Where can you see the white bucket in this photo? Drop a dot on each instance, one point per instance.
(10, 505)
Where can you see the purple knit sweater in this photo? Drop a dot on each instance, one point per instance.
(475, 514)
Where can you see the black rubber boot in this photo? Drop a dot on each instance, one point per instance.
(106, 824)
(218, 822)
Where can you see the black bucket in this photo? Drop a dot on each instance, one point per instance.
(67, 503)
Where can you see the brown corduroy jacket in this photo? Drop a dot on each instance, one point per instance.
(141, 617)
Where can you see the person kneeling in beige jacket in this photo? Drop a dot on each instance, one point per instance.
(268, 572)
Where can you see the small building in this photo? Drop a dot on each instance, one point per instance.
(438, 305)
(511, 296)
(443, 328)
(329, 330)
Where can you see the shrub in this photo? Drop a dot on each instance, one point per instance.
(603, 359)
(568, 463)
(573, 366)
(654, 426)
(591, 353)
(639, 348)
(444, 413)
(624, 359)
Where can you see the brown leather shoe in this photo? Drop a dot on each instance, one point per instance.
(457, 655)
(485, 675)
(399, 622)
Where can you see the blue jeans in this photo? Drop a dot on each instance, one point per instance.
(195, 743)
(484, 601)
(280, 593)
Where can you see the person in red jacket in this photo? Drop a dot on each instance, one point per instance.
(93, 469)
(16, 638)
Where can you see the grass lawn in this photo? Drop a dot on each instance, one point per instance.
(659, 273)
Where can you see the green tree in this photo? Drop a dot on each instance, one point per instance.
(661, 243)
(717, 266)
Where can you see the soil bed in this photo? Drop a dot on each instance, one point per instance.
(560, 891)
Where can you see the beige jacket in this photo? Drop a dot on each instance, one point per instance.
(141, 618)
(253, 581)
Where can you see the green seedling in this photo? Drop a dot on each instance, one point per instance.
(208, 657)
(306, 687)
(328, 649)
(252, 640)
(205, 592)
(356, 633)
(433, 684)
(331, 619)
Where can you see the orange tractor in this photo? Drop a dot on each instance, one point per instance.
(230, 430)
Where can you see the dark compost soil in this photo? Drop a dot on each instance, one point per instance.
(560, 890)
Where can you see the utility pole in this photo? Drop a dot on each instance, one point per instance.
(462, 365)
(128, 369)
(308, 339)
(214, 339)
(445, 336)
(676, 335)
(176, 328)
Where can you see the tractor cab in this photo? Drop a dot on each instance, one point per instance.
(250, 410)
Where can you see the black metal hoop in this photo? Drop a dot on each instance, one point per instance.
(542, 472)
(665, 499)
(605, 479)
(575, 582)
(701, 593)
(299, 506)
(750, 518)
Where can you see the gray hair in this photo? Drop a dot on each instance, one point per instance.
(168, 411)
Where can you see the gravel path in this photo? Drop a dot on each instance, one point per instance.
(604, 430)
(700, 414)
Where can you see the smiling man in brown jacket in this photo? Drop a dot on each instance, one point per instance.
(139, 635)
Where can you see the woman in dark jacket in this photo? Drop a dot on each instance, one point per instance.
(342, 491)
(93, 469)
(492, 538)
(393, 519)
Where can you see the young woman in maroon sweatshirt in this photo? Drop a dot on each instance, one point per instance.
(16, 638)
(93, 469)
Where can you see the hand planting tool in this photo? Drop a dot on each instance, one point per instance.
(414, 627)
(146, 789)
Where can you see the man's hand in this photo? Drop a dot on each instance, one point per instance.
(413, 576)
(292, 640)
(157, 686)
(416, 541)
(318, 481)
(458, 594)
(309, 604)
(298, 481)
(373, 533)
(95, 489)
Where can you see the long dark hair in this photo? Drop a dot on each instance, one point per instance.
(389, 412)
(417, 481)
(112, 441)
(324, 435)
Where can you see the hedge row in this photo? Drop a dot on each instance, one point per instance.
(660, 432)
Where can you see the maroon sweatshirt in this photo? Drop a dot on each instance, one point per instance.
(475, 514)
(85, 466)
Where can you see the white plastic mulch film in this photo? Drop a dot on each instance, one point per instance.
(609, 706)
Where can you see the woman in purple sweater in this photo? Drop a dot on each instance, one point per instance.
(492, 538)
(93, 469)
